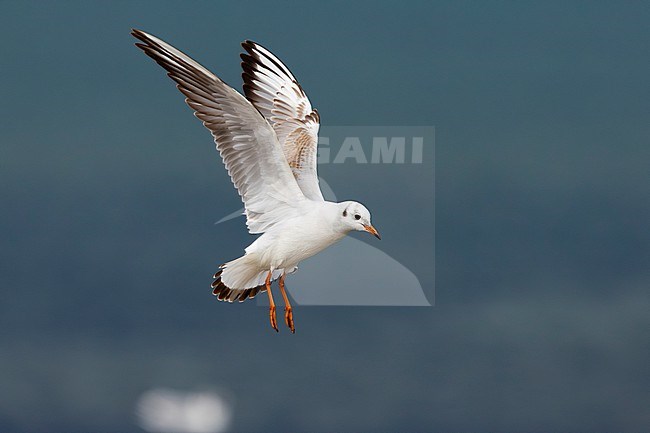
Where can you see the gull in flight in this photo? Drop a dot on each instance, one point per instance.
(268, 142)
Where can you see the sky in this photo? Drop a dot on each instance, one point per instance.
(539, 283)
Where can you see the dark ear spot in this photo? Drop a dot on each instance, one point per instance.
(345, 213)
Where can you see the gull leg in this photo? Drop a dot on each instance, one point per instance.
(274, 322)
(288, 311)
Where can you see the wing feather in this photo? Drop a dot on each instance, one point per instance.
(276, 93)
(246, 141)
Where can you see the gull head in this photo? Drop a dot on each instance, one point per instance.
(355, 216)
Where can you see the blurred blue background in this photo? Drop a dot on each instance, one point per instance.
(110, 188)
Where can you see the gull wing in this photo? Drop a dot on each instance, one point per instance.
(276, 93)
(247, 143)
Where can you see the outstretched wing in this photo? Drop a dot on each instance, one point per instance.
(248, 145)
(275, 92)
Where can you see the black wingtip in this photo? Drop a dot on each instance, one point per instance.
(141, 36)
(137, 33)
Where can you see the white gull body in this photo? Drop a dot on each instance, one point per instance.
(286, 244)
(268, 143)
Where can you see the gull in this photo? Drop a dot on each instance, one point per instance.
(268, 141)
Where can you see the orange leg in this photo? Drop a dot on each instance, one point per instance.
(274, 322)
(288, 311)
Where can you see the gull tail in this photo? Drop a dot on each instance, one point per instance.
(240, 279)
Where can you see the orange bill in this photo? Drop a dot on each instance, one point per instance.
(373, 231)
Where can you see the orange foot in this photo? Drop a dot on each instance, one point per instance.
(288, 318)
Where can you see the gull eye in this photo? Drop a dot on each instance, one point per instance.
(345, 213)
(357, 217)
